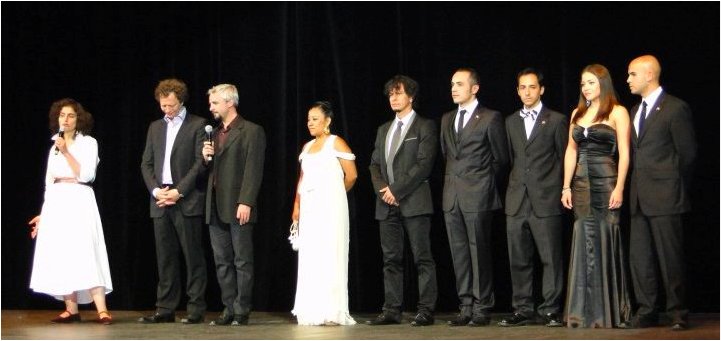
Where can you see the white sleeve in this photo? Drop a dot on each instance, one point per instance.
(88, 159)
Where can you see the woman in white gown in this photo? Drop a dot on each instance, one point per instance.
(71, 262)
(321, 210)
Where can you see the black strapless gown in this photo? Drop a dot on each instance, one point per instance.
(598, 295)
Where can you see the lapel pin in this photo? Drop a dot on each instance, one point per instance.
(543, 122)
(658, 108)
(476, 116)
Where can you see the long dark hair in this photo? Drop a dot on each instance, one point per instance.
(607, 100)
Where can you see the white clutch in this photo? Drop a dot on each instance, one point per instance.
(293, 238)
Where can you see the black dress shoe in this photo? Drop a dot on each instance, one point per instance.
(552, 320)
(384, 318)
(638, 321)
(158, 318)
(514, 321)
(679, 325)
(192, 319)
(67, 319)
(460, 320)
(240, 320)
(423, 319)
(223, 320)
(479, 321)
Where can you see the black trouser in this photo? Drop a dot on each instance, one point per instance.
(392, 232)
(469, 236)
(657, 243)
(175, 232)
(527, 233)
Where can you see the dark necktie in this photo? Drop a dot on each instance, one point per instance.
(460, 123)
(395, 141)
(642, 118)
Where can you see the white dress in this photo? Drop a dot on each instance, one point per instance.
(70, 254)
(322, 292)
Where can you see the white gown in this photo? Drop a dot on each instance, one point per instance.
(322, 292)
(70, 254)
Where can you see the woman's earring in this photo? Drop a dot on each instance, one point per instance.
(326, 130)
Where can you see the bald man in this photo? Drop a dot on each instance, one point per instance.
(664, 149)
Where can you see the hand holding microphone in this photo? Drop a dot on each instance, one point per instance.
(208, 150)
(61, 135)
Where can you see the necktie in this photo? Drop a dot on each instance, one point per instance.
(532, 114)
(460, 122)
(395, 141)
(642, 118)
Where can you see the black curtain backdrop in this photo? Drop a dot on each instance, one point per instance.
(284, 56)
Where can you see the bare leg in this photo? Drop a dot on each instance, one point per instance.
(98, 294)
(71, 305)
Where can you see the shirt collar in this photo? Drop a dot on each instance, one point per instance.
(180, 115)
(470, 108)
(652, 97)
(406, 119)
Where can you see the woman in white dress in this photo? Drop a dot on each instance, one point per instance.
(71, 262)
(321, 209)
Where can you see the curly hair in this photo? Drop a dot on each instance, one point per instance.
(172, 85)
(84, 123)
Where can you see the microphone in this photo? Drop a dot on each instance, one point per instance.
(61, 133)
(209, 138)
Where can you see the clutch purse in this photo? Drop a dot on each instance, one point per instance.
(293, 238)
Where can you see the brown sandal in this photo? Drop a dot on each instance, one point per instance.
(108, 319)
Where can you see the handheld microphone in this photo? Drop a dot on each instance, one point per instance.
(61, 133)
(209, 138)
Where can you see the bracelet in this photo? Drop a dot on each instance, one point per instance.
(565, 189)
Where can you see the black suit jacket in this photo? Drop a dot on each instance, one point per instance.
(536, 162)
(662, 158)
(476, 162)
(412, 166)
(186, 164)
(237, 171)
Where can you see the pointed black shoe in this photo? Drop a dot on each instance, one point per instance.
(384, 318)
(67, 319)
(158, 318)
(552, 320)
(514, 320)
(423, 319)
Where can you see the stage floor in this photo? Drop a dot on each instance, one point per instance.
(25, 324)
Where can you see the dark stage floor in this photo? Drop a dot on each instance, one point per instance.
(23, 324)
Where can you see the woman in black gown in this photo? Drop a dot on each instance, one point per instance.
(595, 168)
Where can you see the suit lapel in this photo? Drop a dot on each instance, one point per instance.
(404, 134)
(233, 135)
(634, 134)
(652, 114)
(539, 124)
(471, 125)
(181, 133)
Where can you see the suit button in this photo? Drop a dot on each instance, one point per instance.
(528, 170)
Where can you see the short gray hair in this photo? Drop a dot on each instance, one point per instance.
(227, 92)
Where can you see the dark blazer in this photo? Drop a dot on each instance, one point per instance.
(238, 168)
(536, 162)
(662, 158)
(412, 166)
(186, 164)
(475, 163)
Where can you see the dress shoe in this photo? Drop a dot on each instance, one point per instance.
(158, 318)
(192, 319)
(479, 321)
(514, 321)
(639, 321)
(460, 320)
(240, 320)
(223, 320)
(67, 319)
(552, 320)
(679, 325)
(105, 318)
(423, 319)
(385, 318)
